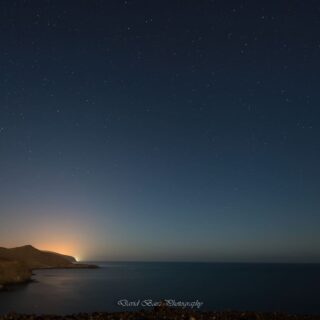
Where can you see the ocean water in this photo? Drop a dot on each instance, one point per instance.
(129, 286)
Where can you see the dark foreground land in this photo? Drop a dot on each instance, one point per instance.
(167, 314)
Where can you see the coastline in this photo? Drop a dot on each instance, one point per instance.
(13, 272)
(23, 275)
(73, 266)
(17, 264)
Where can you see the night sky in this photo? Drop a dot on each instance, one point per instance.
(161, 130)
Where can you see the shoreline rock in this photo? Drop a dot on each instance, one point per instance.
(165, 313)
(13, 272)
(17, 264)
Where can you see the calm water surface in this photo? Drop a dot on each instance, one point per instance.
(261, 287)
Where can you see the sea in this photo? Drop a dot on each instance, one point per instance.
(124, 286)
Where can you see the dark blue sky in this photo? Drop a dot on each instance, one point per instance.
(161, 130)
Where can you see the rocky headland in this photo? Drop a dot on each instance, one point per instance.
(16, 264)
(13, 272)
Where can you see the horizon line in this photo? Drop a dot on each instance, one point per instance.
(207, 262)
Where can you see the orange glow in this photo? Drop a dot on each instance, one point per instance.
(65, 248)
(66, 233)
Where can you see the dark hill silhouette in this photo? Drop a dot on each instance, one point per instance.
(35, 258)
(16, 263)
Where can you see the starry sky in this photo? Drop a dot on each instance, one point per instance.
(161, 130)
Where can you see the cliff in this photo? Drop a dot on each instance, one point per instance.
(16, 263)
(13, 272)
(35, 258)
